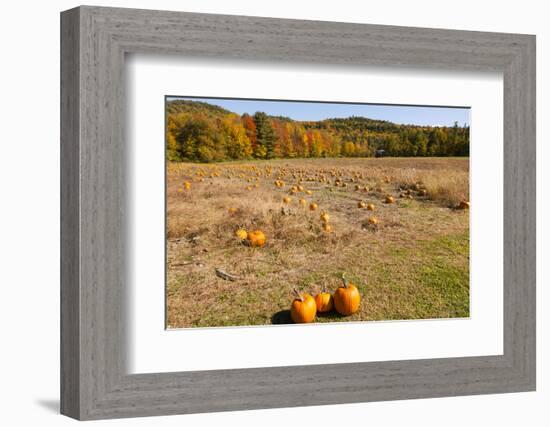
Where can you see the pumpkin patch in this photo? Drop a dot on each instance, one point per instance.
(237, 228)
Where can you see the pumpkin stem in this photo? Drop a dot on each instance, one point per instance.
(344, 280)
(298, 294)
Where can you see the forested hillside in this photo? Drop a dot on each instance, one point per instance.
(201, 132)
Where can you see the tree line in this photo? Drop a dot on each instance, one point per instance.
(201, 132)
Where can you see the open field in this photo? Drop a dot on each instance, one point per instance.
(412, 264)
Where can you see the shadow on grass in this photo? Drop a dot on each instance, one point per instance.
(331, 315)
(282, 318)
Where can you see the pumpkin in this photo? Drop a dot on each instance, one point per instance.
(187, 185)
(302, 202)
(325, 217)
(256, 239)
(370, 207)
(373, 220)
(232, 210)
(361, 204)
(346, 298)
(241, 234)
(390, 199)
(309, 192)
(300, 188)
(313, 206)
(303, 309)
(327, 228)
(464, 205)
(324, 301)
(286, 200)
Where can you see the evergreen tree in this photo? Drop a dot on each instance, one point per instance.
(265, 136)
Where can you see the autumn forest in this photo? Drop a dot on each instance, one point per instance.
(202, 132)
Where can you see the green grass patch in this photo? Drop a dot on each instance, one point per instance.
(430, 279)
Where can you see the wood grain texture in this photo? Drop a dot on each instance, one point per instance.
(94, 231)
(70, 221)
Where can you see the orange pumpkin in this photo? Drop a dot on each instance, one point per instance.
(187, 185)
(232, 210)
(390, 199)
(373, 220)
(286, 200)
(346, 298)
(313, 207)
(324, 301)
(325, 217)
(256, 239)
(370, 207)
(303, 308)
(361, 205)
(303, 202)
(327, 228)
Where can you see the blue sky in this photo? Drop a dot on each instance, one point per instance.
(303, 111)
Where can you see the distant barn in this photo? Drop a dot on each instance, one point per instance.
(380, 153)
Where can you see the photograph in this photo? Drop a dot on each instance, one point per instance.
(281, 212)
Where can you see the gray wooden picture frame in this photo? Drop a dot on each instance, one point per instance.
(94, 41)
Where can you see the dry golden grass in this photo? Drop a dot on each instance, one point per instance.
(412, 264)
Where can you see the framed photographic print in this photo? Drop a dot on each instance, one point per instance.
(261, 213)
